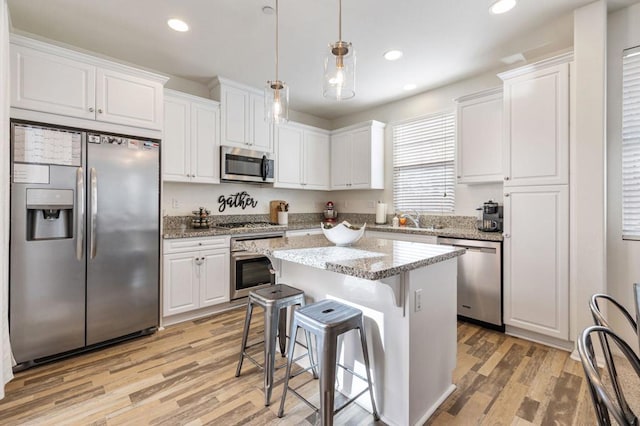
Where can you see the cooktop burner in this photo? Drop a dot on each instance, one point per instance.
(245, 225)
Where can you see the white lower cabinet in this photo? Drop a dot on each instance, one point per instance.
(536, 259)
(195, 274)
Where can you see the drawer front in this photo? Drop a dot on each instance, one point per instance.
(189, 244)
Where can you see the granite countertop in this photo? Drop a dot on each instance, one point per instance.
(466, 233)
(369, 258)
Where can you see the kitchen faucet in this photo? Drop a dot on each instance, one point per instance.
(415, 220)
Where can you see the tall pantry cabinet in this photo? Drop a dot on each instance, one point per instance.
(536, 198)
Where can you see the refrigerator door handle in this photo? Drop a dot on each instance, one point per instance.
(94, 210)
(80, 214)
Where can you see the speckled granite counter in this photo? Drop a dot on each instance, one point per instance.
(369, 258)
(466, 233)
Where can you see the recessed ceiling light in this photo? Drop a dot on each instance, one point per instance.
(512, 59)
(178, 25)
(501, 6)
(409, 86)
(393, 55)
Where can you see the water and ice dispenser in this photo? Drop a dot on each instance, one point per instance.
(49, 214)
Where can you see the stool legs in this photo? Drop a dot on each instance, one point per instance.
(292, 337)
(365, 355)
(282, 331)
(327, 353)
(245, 336)
(271, 322)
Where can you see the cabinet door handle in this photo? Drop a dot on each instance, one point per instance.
(507, 235)
(91, 109)
(459, 177)
(506, 178)
(507, 194)
(99, 110)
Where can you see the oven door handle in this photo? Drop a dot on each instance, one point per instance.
(247, 256)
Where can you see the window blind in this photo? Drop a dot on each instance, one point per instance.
(631, 144)
(423, 164)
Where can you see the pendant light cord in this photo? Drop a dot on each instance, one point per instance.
(339, 20)
(277, 40)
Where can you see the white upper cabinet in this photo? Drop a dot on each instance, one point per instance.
(479, 137)
(536, 130)
(241, 116)
(357, 157)
(302, 157)
(191, 149)
(59, 81)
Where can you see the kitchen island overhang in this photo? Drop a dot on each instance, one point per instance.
(407, 292)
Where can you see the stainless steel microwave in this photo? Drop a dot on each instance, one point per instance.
(245, 165)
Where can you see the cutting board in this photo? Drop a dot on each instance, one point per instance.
(273, 210)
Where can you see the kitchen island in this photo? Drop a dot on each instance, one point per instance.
(407, 292)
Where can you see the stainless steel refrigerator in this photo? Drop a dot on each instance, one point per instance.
(84, 247)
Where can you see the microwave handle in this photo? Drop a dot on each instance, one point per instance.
(265, 167)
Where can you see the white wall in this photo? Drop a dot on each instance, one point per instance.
(623, 257)
(191, 196)
(468, 197)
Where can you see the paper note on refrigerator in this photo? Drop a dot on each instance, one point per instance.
(30, 173)
(47, 146)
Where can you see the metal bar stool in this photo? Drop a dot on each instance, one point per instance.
(327, 320)
(274, 300)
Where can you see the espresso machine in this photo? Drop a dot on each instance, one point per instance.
(330, 213)
(489, 217)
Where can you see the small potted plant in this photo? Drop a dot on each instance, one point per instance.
(283, 213)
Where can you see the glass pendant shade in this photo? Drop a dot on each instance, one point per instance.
(340, 72)
(276, 102)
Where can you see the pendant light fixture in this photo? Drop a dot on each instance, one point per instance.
(276, 93)
(340, 67)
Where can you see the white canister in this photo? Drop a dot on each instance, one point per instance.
(283, 218)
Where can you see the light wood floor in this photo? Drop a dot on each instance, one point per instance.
(186, 375)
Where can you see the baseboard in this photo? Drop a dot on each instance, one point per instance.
(565, 345)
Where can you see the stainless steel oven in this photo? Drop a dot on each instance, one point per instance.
(250, 271)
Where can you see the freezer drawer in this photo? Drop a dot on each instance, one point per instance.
(479, 280)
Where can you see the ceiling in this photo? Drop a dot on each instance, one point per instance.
(443, 40)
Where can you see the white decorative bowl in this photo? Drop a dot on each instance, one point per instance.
(342, 234)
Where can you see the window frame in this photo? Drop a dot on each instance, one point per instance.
(630, 145)
(446, 176)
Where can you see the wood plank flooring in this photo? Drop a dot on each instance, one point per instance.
(185, 375)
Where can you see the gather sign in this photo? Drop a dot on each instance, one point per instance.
(239, 199)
